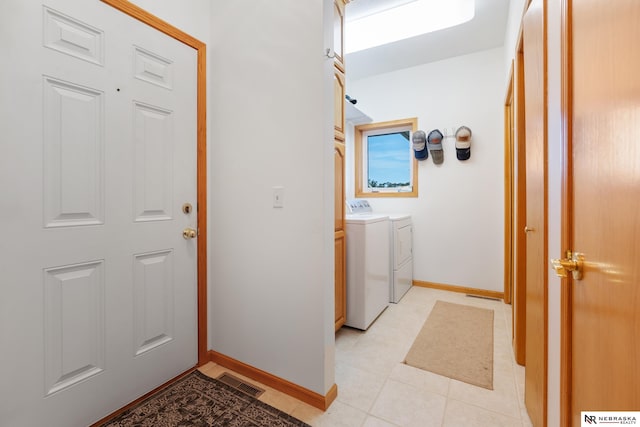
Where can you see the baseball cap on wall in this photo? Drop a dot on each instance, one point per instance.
(463, 143)
(419, 139)
(434, 142)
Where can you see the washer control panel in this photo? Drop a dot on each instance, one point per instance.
(357, 206)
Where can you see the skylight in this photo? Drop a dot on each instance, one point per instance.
(405, 21)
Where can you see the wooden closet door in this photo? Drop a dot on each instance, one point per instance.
(536, 208)
(604, 221)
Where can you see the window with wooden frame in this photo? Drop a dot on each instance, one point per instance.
(384, 162)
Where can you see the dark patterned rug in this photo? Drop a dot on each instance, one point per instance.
(199, 400)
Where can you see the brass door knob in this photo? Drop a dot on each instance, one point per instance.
(189, 233)
(574, 263)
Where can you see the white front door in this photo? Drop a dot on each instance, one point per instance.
(98, 294)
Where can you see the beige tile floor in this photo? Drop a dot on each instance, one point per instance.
(375, 389)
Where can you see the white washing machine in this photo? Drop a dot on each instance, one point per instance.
(401, 266)
(368, 272)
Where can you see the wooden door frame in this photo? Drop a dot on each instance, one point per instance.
(519, 261)
(508, 190)
(201, 48)
(515, 207)
(566, 204)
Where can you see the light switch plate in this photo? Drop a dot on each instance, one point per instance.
(278, 197)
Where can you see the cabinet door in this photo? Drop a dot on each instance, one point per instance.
(338, 33)
(339, 180)
(339, 159)
(338, 100)
(340, 249)
(340, 280)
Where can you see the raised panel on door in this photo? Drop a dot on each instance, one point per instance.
(340, 280)
(340, 251)
(98, 154)
(73, 37)
(338, 111)
(73, 154)
(153, 300)
(74, 324)
(339, 182)
(153, 146)
(153, 68)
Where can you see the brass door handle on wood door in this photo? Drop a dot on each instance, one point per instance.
(574, 263)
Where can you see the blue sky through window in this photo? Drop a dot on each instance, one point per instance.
(388, 159)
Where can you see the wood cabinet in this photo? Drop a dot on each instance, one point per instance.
(339, 162)
(338, 33)
(338, 99)
(340, 279)
(340, 247)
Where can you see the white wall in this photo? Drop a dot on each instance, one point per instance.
(271, 270)
(516, 10)
(459, 215)
(191, 17)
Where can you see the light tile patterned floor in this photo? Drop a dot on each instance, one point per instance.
(375, 389)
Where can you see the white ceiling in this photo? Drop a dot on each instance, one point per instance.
(485, 31)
